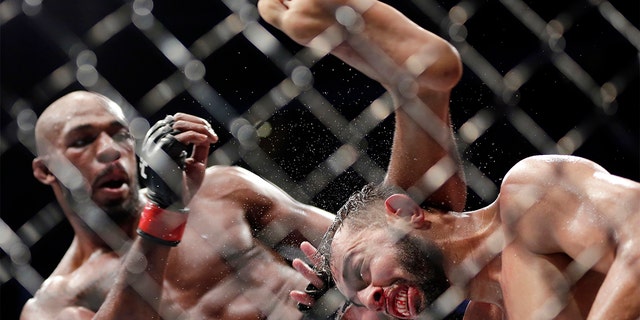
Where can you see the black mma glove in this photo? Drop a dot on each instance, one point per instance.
(162, 162)
(318, 311)
(163, 159)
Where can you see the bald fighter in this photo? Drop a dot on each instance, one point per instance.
(186, 247)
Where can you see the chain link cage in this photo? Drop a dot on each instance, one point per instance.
(539, 78)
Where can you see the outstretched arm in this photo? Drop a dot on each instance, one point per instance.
(417, 67)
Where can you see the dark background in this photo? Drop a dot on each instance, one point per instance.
(560, 96)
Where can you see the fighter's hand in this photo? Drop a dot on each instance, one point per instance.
(304, 20)
(174, 157)
(319, 283)
(173, 160)
(197, 132)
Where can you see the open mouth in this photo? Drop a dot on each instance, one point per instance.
(111, 180)
(112, 184)
(404, 302)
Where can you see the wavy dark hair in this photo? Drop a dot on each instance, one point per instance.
(357, 214)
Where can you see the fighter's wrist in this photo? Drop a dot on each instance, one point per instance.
(165, 199)
(163, 226)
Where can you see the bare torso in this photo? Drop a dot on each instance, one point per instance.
(220, 270)
(566, 219)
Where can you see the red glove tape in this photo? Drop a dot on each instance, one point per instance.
(162, 226)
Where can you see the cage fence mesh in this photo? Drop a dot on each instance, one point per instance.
(539, 78)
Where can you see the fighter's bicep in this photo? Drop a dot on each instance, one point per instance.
(534, 286)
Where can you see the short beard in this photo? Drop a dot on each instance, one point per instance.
(424, 260)
(121, 212)
(118, 211)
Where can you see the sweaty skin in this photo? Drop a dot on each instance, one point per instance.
(225, 267)
(562, 212)
(391, 49)
(562, 229)
(237, 276)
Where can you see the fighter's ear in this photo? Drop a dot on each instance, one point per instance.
(42, 172)
(403, 206)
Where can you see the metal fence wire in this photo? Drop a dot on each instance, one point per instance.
(539, 78)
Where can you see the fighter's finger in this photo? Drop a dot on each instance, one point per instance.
(195, 170)
(199, 140)
(201, 153)
(308, 273)
(188, 118)
(310, 251)
(186, 122)
(302, 297)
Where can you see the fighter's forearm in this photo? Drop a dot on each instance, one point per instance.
(619, 295)
(176, 145)
(416, 66)
(384, 39)
(419, 68)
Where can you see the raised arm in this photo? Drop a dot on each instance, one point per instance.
(174, 157)
(417, 67)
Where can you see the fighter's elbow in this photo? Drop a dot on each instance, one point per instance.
(446, 72)
(453, 72)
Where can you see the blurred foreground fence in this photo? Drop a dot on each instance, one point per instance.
(539, 78)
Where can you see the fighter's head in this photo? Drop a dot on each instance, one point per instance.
(85, 150)
(376, 257)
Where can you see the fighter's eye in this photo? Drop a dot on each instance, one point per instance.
(82, 141)
(365, 272)
(359, 282)
(122, 136)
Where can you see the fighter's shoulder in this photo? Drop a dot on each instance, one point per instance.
(235, 181)
(545, 168)
(541, 195)
(229, 176)
(525, 188)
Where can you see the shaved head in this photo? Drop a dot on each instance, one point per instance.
(52, 120)
(85, 149)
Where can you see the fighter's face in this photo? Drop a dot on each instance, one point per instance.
(93, 143)
(395, 278)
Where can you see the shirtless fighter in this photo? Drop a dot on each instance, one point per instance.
(121, 266)
(560, 242)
